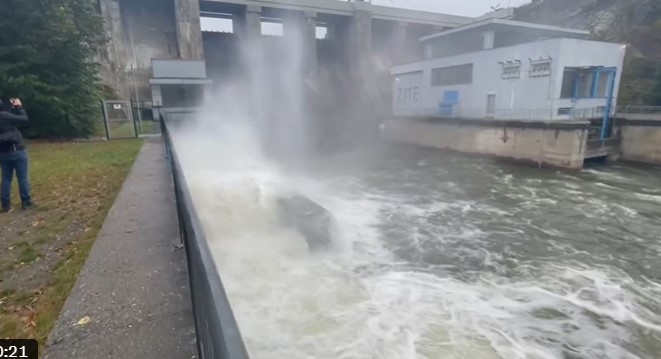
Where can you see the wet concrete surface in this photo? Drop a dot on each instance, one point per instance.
(134, 286)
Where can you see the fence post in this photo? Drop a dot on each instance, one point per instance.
(104, 110)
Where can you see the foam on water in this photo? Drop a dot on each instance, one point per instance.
(412, 276)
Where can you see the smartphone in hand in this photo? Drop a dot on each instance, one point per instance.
(15, 102)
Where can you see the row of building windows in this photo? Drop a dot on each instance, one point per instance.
(576, 82)
(463, 74)
(537, 69)
(586, 82)
(453, 75)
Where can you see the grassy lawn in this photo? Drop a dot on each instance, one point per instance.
(122, 129)
(149, 127)
(125, 129)
(43, 250)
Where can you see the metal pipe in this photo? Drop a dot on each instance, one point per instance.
(137, 102)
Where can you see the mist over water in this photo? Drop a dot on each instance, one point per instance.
(439, 255)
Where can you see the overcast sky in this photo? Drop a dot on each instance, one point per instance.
(455, 7)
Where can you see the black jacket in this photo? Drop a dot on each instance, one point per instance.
(10, 137)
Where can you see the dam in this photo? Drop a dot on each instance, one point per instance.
(436, 254)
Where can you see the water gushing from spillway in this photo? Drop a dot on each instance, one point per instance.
(438, 255)
(462, 259)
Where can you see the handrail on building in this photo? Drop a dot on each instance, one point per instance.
(216, 329)
(638, 109)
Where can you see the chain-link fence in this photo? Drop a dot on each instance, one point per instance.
(129, 119)
(146, 123)
(118, 119)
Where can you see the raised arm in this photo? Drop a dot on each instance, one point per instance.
(17, 116)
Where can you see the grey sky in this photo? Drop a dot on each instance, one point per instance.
(455, 7)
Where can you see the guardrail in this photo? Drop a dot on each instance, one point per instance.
(528, 114)
(645, 110)
(603, 148)
(217, 333)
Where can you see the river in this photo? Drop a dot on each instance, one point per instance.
(439, 255)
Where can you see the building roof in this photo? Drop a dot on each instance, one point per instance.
(503, 24)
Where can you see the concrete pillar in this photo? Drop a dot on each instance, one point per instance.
(248, 21)
(302, 27)
(291, 24)
(363, 73)
(189, 32)
(429, 52)
(332, 31)
(488, 39)
(361, 39)
(113, 56)
(398, 49)
(310, 41)
(253, 23)
(239, 23)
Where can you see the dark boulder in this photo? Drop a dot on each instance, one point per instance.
(313, 221)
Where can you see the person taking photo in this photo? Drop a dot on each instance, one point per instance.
(13, 154)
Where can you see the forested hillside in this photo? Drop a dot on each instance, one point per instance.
(636, 23)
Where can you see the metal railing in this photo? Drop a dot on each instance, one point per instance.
(614, 142)
(644, 110)
(217, 333)
(529, 114)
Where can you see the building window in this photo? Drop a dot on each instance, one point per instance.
(590, 82)
(564, 111)
(568, 82)
(540, 68)
(584, 85)
(453, 75)
(603, 84)
(511, 70)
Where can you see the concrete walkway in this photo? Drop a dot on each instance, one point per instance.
(134, 286)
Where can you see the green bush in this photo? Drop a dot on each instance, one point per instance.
(655, 96)
(47, 50)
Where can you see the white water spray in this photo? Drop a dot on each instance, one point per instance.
(363, 299)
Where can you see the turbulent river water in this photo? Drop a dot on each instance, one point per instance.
(439, 255)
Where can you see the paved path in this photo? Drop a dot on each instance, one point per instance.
(134, 286)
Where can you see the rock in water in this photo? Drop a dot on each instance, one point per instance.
(311, 219)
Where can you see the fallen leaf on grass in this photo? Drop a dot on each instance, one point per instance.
(83, 321)
(31, 320)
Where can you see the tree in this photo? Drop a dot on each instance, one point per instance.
(655, 96)
(47, 49)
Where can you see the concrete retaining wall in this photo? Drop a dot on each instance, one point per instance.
(556, 145)
(641, 142)
(142, 30)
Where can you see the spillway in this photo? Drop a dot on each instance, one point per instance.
(438, 255)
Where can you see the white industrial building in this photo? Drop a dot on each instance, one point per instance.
(511, 70)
